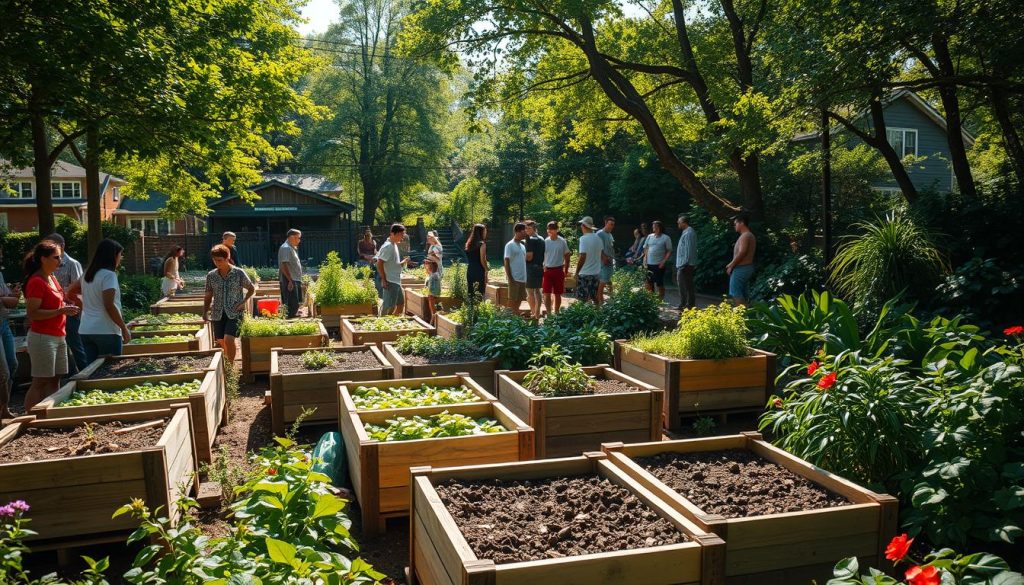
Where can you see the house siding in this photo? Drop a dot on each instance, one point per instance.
(934, 173)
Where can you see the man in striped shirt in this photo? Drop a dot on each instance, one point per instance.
(686, 261)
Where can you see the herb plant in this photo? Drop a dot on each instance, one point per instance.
(337, 285)
(160, 339)
(435, 348)
(316, 359)
(716, 332)
(165, 327)
(262, 327)
(554, 375)
(385, 323)
(373, 398)
(146, 391)
(432, 427)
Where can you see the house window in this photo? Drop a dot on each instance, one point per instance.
(21, 189)
(151, 227)
(66, 190)
(904, 140)
(117, 193)
(3, 222)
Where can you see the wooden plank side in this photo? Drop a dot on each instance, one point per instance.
(597, 404)
(71, 471)
(606, 422)
(769, 530)
(665, 565)
(439, 525)
(92, 506)
(396, 458)
(721, 399)
(826, 551)
(741, 372)
(569, 445)
(426, 562)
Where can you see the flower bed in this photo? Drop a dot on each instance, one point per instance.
(782, 519)
(379, 469)
(75, 490)
(293, 389)
(420, 356)
(206, 403)
(570, 425)
(259, 336)
(578, 520)
(198, 339)
(377, 330)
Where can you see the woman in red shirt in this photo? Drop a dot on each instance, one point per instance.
(44, 301)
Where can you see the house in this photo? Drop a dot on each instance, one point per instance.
(914, 128)
(67, 188)
(143, 215)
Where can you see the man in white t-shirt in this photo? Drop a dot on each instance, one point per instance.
(556, 266)
(389, 267)
(515, 267)
(588, 268)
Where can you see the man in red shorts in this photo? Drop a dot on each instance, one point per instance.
(556, 266)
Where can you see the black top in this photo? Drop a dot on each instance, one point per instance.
(473, 265)
(535, 244)
(233, 255)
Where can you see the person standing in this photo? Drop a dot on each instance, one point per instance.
(227, 239)
(172, 278)
(67, 273)
(389, 266)
(657, 250)
(224, 303)
(556, 267)
(435, 250)
(47, 310)
(608, 258)
(535, 251)
(366, 249)
(103, 329)
(742, 266)
(588, 267)
(476, 263)
(686, 262)
(515, 267)
(9, 297)
(433, 284)
(290, 272)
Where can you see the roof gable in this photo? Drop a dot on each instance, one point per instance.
(342, 205)
(60, 170)
(309, 182)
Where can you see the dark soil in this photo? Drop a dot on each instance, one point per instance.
(349, 360)
(736, 483)
(605, 387)
(513, 521)
(38, 444)
(151, 366)
(421, 360)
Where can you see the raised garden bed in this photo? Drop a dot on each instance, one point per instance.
(167, 341)
(171, 305)
(575, 520)
(497, 293)
(783, 520)
(406, 366)
(206, 402)
(379, 469)
(293, 387)
(362, 330)
(447, 328)
(74, 483)
(349, 392)
(270, 333)
(332, 316)
(172, 318)
(416, 303)
(701, 386)
(621, 409)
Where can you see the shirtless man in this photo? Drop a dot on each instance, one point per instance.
(742, 266)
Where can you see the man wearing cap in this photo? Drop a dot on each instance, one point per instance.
(228, 239)
(686, 261)
(608, 260)
(515, 267)
(588, 268)
(742, 266)
(389, 267)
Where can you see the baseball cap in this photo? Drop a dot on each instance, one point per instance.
(587, 221)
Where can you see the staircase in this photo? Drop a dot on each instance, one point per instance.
(452, 250)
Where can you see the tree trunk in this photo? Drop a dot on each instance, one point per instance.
(892, 158)
(748, 171)
(41, 167)
(1011, 138)
(954, 125)
(94, 198)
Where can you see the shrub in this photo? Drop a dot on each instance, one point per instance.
(716, 332)
(588, 345)
(138, 291)
(339, 286)
(795, 275)
(554, 374)
(252, 273)
(944, 566)
(502, 336)
(631, 310)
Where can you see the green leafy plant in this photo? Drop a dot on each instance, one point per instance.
(470, 313)
(554, 375)
(165, 327)
(252, 273)
(316, 359)
(943, 566)
(716, 332)
(263, 327)
(145, 391)
(432, 427)
(13, 532)
(157, 339)
(373, 398)
(501, 337)
(338, 286)
(385, 323)
(454, 281)
(437, 349)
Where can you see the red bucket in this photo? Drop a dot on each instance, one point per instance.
(270, 305)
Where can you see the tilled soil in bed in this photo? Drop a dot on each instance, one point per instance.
(422, 360)
(604, 387)
(151, 366)
(37, 444)
(513, 521)
(349, 360)
(736, 483)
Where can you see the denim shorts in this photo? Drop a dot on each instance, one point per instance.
(739, 279)
(391, 297)
(606, 273)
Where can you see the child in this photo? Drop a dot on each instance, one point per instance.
(433, 283)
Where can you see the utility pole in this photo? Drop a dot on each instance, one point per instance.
(826, 185)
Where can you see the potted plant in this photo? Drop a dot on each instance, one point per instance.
(260, 335)
(705, 365)
(421, 355)
(342, 291)
(574, 409)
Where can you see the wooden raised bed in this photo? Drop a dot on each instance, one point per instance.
(571, 425)
(200, 341)
(347, 404)
(172, 305)
(416, 303)
(75, 497)
(350, 337)
(332, 316)
(481, 371)
(702, 386)
(380, 470)
(778, 549)
(256, 350)
(207, 405)
(292, 392)
(497, 293)
(440, 555)
(447, 328)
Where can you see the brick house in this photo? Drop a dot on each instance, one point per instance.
(18, 195)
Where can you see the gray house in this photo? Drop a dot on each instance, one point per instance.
(915, 129)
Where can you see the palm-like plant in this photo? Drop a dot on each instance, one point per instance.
(892, 255)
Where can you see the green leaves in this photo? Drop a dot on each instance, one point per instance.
(136, 393)
(374, 398)
(432, 427)
(717, 332)
(385, 323)
(271, 327)
(337, 285)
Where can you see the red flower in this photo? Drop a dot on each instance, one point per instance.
(898, 547)
(1015, 330)
(828, 381)
(927, 575)
(813, 367)
(777, 403)
(271, 471)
